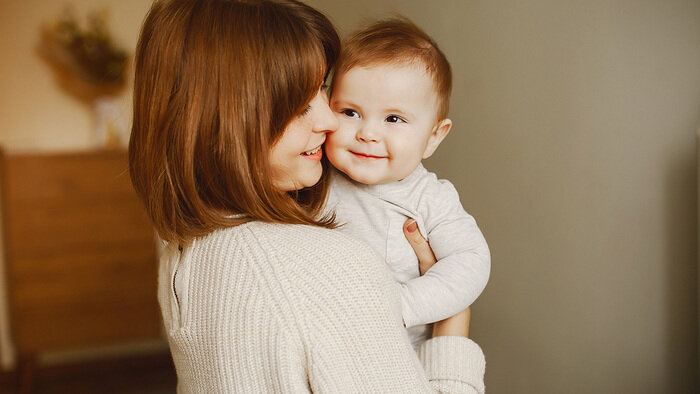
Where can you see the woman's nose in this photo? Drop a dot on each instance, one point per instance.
(325, 121)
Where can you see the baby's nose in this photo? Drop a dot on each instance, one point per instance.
(367, 134)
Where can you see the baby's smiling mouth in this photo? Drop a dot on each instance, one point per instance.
(367, 156)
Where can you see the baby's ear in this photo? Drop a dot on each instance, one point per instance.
(436, 136)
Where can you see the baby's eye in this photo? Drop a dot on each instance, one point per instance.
(350, 113)
(395, 119)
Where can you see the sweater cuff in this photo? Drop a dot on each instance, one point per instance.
(453, 358)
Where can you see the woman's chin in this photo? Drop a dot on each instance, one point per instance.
(290, 185)
(312, 181)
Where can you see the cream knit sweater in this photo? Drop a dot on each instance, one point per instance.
(279, 308)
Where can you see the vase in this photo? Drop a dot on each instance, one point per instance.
(110, 129)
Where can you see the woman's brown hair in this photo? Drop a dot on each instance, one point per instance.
(217, 82)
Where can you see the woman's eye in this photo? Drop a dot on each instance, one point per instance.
(350, 113)
(306, 110)
(394, 119)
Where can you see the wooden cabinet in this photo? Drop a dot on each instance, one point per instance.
(79, 250)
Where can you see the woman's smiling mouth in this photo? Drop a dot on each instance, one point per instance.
(314, 154)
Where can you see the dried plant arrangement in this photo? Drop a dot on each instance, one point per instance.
(87, 61)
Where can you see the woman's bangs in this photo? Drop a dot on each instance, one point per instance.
(313, 69)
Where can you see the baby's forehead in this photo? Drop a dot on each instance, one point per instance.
(388, 66)
(407, 79)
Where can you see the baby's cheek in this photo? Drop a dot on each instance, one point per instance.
(331, 138)
(336, 139)
(332, 151)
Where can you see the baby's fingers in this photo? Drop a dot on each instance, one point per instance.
(420, 246)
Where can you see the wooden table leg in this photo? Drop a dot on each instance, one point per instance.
(25, 375)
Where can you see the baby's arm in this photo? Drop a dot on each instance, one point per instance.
(463, 266)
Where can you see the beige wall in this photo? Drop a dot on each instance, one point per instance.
(573, 147)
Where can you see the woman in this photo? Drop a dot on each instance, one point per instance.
(257, 293)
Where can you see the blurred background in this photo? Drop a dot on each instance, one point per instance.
(574, 146)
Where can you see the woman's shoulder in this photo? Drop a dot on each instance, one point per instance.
(324, 269)
(308, 262)
(280, 239)
(311, 272)
(267, 230)
(282, 258)
(321, 252)
(310, 240)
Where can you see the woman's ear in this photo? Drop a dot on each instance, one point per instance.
(436, 136)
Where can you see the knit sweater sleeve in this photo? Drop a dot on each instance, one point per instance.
(347, 311)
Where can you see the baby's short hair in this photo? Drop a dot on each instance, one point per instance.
(399, 41)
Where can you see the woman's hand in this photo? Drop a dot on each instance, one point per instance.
(455, 325)
(425, 255)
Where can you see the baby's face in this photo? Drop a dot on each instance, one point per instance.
(386, 115)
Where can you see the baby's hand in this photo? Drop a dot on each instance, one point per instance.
(420, 245)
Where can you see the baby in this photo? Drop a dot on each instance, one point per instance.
(391, 95)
